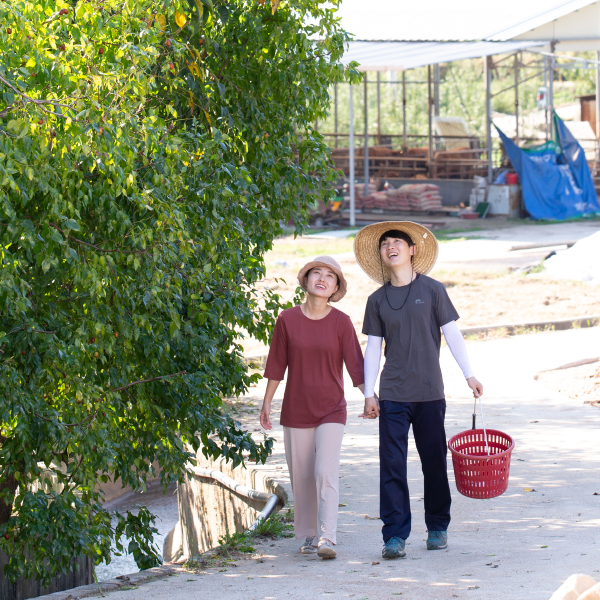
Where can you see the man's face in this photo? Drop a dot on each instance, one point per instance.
(322, 282)
(395, 252)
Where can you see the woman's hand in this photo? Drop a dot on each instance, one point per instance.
(265, 412)
(476, 386)
(265, 416)
(371, 408)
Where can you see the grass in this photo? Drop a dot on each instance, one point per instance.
(275, 527)
(306, 247)
(449, 235)
(234, 546)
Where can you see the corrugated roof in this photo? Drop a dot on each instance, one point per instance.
(442, 20)
(546, 16)
(402, 55)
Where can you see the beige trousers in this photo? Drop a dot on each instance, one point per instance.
(313, 458)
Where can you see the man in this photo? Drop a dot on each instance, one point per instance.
(408, 311)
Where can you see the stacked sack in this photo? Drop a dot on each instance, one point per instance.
(359, 195)
(391, 199)
(422, 196)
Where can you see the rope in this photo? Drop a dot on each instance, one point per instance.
(487, 448)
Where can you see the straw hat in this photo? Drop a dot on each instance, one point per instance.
(366, 248)
(324, 261)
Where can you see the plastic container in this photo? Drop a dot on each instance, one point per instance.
(512, 179)
(477, 473)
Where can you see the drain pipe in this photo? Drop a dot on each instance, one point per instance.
(271, 500)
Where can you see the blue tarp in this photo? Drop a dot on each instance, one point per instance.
(555, 178)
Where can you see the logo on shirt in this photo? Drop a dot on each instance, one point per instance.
(419, 301)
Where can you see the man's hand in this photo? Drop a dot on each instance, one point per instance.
(371, 408)
(265, 417)
(476, 386)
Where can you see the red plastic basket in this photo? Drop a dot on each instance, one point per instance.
(477, 474)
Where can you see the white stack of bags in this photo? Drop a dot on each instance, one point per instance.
(578, 587)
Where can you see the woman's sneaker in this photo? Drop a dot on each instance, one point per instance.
(326, 549)
(307, 547)
(437, 540)
(393, 548)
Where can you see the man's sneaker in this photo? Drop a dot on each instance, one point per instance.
(326, 549)
(393, 548)
(437, 540)
(307, 547)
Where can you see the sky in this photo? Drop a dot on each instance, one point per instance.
(437, 19)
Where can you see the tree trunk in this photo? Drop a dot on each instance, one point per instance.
(6, 509)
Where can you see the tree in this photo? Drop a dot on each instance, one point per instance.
(148, 152)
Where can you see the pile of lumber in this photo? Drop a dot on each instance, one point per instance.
(422, 196)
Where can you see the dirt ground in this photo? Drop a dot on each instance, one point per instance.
(499, 290)
(579, 383)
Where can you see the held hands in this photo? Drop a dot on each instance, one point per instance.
(476, 386)
(371, 408)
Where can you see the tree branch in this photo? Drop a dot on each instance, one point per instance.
(40, 103)
(147, 381)
(97, 247)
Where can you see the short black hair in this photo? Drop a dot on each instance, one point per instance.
(396, 233)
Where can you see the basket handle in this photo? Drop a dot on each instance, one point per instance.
(478, 397)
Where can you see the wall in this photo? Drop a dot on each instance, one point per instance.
(208, 510)
(81, 573)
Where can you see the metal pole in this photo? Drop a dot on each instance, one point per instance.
(351, 161)
(487, 73)
(436, 89)
(517, 59)
(335, 114)
(598, 96)
(366, 115)
(378, 109)
(436, 96)
(404, 145)
(547, 96)
(429, 120)
(551, 92)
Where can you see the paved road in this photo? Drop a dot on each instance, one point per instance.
(520, 545)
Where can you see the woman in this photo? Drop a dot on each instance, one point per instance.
(312, 341)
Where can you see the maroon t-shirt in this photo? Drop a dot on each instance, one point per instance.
(314, 352)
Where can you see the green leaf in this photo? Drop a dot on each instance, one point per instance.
(71, 224)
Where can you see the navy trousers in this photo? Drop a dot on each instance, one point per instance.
(427, 419)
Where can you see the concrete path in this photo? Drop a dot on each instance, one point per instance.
(520, 545)
(493, 251)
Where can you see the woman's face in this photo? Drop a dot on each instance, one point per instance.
(395, 252)
(322, 282)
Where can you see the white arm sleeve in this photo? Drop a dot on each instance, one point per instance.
(456, 343)
(372, 362)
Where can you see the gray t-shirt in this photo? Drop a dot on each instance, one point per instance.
(412, 338)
